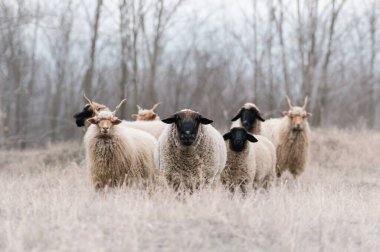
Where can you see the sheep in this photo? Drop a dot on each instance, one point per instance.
(154, 127)
(291, 137)
(146, 114)
(191, 153)
(117, 155)
(249, 117)
(87, 112)
(250, 163)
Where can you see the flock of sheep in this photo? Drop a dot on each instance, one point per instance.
(185, 152)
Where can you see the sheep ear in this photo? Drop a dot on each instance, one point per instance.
(204, 120)
(260, 117)
(170, 120)
(227, 136)
(116, 121)
(237, 116)
(252, 138)
(92, 121)
(285, 113)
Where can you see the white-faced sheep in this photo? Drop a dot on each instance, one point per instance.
(146, 114)
(291, 137)
(117, 155)
(249, 117)
(249, 163)
(191, 153)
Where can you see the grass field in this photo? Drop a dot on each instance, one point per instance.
(47, 203)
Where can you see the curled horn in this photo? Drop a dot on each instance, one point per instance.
(289, 102)
(139, 108)
(155, 106)
(118, 106)
(305, 103)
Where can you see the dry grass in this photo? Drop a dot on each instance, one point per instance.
(47, 204)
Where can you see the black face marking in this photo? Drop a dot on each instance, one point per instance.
(238, 139)
(81, 117)
(249, 118)
(187, 124)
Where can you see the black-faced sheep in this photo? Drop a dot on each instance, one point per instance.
(250, 163)
(191, 153)
(146, 114)
(88, 112)
(291, 137)
(248, 117)
(117, 155)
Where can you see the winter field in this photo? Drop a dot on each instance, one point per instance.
(47, 203)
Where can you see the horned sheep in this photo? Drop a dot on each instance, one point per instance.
(251, 161)
(291, 137)
(146, 114)
(191, 153)
(117, 155)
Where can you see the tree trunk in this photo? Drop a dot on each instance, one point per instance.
(87, 83)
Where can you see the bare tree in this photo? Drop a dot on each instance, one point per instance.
(372, 18)
(163, 15)
(323, 90)
(87, 82)
(280, 31)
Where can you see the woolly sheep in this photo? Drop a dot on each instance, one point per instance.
(118, 155)
(247, 164)
(146, 114)
(191, 153)
(155, 128)
(249, 117)
(291, 137)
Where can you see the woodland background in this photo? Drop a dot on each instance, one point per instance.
(210, 56)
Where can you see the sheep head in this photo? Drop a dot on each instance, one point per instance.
(248, 115)
(146, 114)
(238, 139)
(88, 111)
(187, 124)
(297, 115)
(105, 119)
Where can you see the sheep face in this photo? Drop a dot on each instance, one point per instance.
(87, 112)
(238, 139)
(145, 115)
(104, 120)
(187, 124)
(248, 116)
(297, 115)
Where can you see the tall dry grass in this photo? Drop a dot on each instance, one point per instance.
(47, 204)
